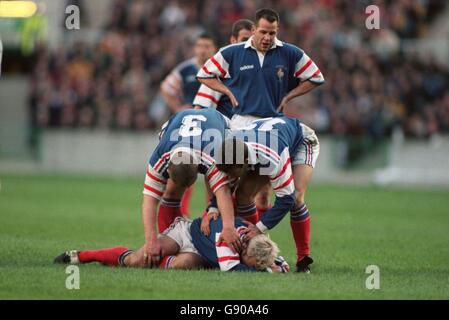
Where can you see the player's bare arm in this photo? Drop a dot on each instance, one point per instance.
(173, 102)
(226, 208)
(302, 88)
(152, 249)
(216, 85)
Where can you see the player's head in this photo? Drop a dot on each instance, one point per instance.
(204, 47)
(233, 157)
(183, 169)
(265, 29)
(241, 30)
(260, 252)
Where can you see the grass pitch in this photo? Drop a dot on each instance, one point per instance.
(405, 232)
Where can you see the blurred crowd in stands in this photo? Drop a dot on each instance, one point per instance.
(371, 86)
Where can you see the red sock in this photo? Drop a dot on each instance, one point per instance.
(168, 211)
(300, 224)
(185, 202)
(109, 257)
(166, 262)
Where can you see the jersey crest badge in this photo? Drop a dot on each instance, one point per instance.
(280, 73)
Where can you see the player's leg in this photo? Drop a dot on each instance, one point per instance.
(117, 256)
(109, 257)
(169, 247)
(303, 164)
(299, 218)
(263, 199)
(170, 206)
(185, 261)
(249, 185)
(185, 202)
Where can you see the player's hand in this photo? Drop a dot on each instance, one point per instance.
(283, 104)
(205, 227)
(234, 101)
(282, 264)
(274, 269)
(231, 237)
(251, 231)
(183, 107)
(152, 253)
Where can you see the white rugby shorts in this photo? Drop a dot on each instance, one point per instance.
(179, 231)
(309, 150)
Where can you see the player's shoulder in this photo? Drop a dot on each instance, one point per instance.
(230, 48)
(292, 50)
(291, 47)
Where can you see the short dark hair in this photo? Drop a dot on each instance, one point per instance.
(206, 36)
(268, 14)
(242, 24)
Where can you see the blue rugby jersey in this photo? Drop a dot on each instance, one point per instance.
(218, 254)
(271, 143)
(182, 81)
(199, 132)
(260, 82)
(208, 98)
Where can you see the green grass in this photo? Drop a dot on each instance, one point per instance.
(403, 231)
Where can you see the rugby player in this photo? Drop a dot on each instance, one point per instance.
(180, 87)
(186, 148)
(265, 152)
(258, 78)
(184, 246)
(208, 98)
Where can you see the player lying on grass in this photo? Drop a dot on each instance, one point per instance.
(262, 154)
(185, 246)
(185, 149)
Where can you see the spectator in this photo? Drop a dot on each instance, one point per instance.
(371, 85)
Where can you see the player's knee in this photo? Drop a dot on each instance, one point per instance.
(186, 262)
(174, 192)
(134, 260)
(243, 196)
(263, 200)
(299, 197)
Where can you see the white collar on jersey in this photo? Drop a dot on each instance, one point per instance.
(183, 159)
(276, 43)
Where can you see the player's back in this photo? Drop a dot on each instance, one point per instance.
(276, 133)
(207, 245)
(198, 129)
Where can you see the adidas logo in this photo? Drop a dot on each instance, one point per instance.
(248, 66)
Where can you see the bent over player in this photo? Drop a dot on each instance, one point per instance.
(263, 153)
(186, 148)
